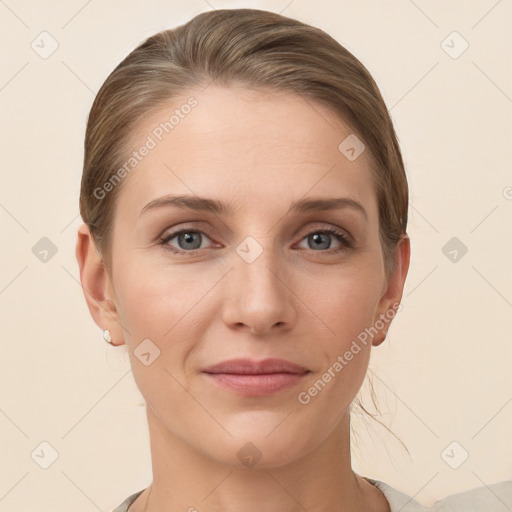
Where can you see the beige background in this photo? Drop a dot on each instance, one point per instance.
(442, 376)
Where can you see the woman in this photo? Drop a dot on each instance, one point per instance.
(245, 210)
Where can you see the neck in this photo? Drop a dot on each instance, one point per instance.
(321, 480)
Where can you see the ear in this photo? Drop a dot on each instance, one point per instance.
(98, 290)
(393, 290)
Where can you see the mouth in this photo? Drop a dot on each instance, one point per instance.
(253, 378)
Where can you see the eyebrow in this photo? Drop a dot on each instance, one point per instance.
(217, 207)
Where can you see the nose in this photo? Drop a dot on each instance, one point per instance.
(259, 297)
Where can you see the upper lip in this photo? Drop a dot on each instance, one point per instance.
(250, 367)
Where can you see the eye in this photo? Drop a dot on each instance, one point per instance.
(188, 240)
(321, 239)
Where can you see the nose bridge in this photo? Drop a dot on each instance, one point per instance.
(257, 267)
(258, 297)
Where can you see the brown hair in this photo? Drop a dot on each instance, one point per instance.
(254, 48)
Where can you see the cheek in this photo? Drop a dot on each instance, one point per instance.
(160, 309)
(170, 307)
(153, 299)
(344, 304)
(344, 309)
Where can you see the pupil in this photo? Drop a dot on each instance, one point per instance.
(189, 239)
(317, 237)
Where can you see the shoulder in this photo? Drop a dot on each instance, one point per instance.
(398, 501)
(495, 497)
(123, 507)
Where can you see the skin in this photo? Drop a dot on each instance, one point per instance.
(259, 152)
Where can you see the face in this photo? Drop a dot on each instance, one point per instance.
(262, 271)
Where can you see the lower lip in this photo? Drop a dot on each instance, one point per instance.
(256, 385)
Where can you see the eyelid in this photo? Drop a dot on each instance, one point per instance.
(199, 227)
(312, 225)
(326, 226)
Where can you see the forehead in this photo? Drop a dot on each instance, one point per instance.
(244, 141)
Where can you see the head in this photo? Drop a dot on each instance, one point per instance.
(269, 119)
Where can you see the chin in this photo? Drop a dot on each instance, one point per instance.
(262, 447)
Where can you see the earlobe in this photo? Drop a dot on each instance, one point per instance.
(96, 284)
(392, 296)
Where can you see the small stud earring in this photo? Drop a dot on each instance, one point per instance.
(106, 336)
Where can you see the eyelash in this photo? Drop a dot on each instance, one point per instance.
(345, 242)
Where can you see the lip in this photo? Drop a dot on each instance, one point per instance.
(256, 378)
(250, 367)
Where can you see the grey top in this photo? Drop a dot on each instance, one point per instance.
(488, 498)
(127, 502)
